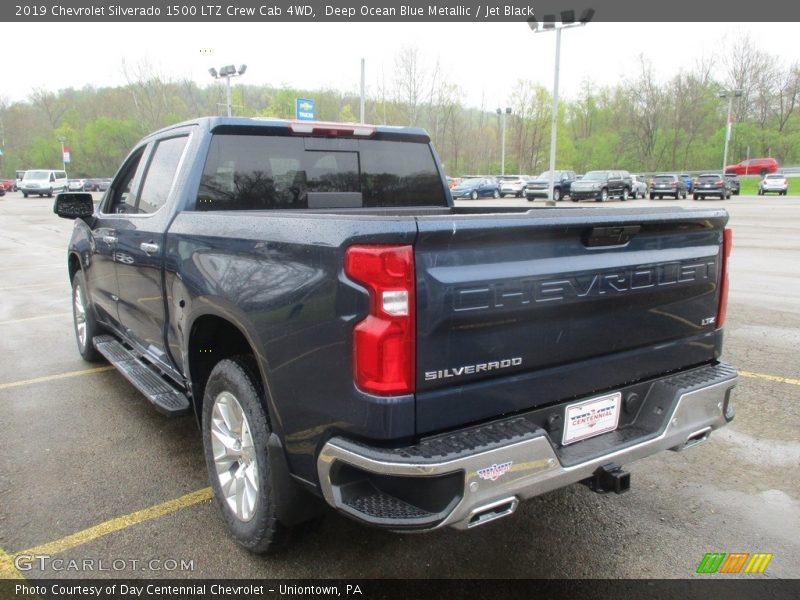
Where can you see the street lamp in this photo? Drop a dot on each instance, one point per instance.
(730, 95)
(549, 24)
(503, 143)
(226, 73)
(63, 141)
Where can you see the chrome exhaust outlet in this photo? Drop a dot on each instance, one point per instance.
(492, 512)
(697, 437)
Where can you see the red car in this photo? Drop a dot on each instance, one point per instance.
(7, 184)
(754, 166)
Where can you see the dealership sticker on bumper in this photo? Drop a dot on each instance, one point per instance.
(591, 417)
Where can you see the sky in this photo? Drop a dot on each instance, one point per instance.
(485, 59)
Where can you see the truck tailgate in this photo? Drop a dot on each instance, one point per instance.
(518, 310)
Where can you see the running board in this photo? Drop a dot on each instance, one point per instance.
(156, 389)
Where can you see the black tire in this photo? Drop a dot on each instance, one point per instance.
(625, 194)
(24, 194)
(652, 196)
(695, 196)
(85, 346)
(762, 172)
(50, 193)
(495, 194)
(556, 194)
(660, 197)
(474, 195)
(603, 195)
(573, 199)
(239, 376)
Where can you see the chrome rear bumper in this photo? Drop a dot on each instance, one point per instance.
(480, 474)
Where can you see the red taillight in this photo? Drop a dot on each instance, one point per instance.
(727, 244)
(383, 343)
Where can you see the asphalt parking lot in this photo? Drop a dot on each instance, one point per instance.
(89, 471)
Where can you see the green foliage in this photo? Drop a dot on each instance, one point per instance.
(641, 125)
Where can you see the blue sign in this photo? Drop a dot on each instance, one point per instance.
(304, 109)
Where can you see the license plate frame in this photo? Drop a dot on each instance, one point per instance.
(583, 421)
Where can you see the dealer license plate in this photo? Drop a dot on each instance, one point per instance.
(591, 417)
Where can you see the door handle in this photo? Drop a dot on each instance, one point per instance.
(149, 248)
(110, 239)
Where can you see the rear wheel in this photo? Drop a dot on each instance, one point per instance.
(762, 172)
(652, 196)
(624, 194)
(474, 195)
(694, 196)
(235, 434)
(604, 195)
(495, 194)
(83, 319)
(24, 194)
(556, 194)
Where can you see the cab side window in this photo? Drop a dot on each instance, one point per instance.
(121, 200)
(161, 173)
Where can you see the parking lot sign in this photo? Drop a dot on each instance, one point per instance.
(304, 109)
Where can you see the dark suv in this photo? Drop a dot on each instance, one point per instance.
(602, 185)
(733, 183)
(668, 184)
(712, 184)
(562, 182)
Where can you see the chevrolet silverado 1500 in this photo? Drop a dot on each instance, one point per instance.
(343, 333)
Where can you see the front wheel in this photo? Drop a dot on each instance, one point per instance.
(235, 434)
(24, 194)
(604, 195)
(495, 194)
(556, 194)
(625, 194)
(474, 195)
(83, 319)
(652, 196)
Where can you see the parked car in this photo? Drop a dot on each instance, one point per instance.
(688, 182)
(754, 166)
(562, 184)
(712, 184)
(76, 185)
(602, 185)
(638, 186)
(103, 184)
(773, 183)
(353, 339)
(733, 183)
(44, 182)
(480, 187)
(91, 185)
(7, 185)
(668, 184)
(513, 185)
(2, 191)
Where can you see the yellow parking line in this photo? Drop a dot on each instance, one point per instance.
(147, 514)
(7, 569)
(50, 316)
(776, 378)
(13, 384)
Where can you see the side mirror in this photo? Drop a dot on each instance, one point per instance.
(73, 206)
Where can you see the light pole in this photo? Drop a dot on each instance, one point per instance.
(63, 141)
(503, 114)
(730, 95)
(549, 24)
(226, 73)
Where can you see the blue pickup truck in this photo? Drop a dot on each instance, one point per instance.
(344, 334)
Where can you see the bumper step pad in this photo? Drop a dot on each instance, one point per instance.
(161, 394)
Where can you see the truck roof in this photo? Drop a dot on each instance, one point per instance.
(261, 125)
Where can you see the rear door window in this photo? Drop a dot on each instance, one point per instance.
(251, 172)
(160, 174)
